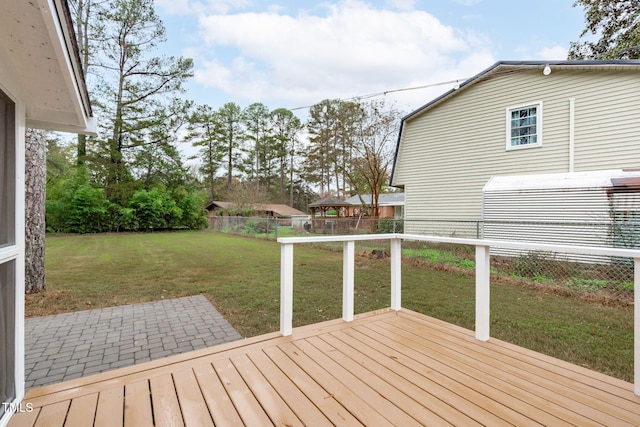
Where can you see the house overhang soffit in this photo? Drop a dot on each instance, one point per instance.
(39, 64)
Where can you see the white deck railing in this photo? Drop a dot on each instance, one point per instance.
(482, 276)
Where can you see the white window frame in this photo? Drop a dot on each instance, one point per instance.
(16, 251)
(538, 143)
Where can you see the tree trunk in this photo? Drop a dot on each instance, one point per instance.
(35, 184)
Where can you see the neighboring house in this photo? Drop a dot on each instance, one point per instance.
(256, 209)
(516, 118)
(391, 205)
(41, 86)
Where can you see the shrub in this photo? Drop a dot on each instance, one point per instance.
(390, 225)
(155, 210)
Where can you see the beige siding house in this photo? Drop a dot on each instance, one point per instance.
(516, 118)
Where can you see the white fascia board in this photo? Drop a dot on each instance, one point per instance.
(52, 14)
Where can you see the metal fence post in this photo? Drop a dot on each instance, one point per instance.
(483, 274)
(286, 289)
(636, 326)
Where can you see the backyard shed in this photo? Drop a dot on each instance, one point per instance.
(600, 208)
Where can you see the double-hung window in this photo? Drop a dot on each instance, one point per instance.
(524, 126)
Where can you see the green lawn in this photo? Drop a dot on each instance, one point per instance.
(240, 276)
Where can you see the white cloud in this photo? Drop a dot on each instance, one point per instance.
(401, 4)
(351, 49)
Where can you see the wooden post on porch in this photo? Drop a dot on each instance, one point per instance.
(483, 273)
(286, 289)
(348, 267)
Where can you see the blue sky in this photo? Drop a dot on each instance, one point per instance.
(296, 53)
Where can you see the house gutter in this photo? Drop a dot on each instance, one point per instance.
(572, 142)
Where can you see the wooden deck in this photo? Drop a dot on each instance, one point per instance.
(384, 368)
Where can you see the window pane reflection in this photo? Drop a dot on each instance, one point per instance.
(7, 334)
(7, 171)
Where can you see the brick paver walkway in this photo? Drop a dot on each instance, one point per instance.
(71, 345)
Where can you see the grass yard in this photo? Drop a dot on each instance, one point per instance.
(240, 276)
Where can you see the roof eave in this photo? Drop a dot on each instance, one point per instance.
(40, 66)
(488, 71)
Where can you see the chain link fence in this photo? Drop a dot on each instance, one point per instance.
(605, 275)
(273, 228)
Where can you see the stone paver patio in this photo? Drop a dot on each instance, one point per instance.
(71, 345)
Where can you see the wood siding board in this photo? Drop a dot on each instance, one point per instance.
(538, 402)
(82, 411)
(53, 415)
(497, 402)
(581, 395)
(375, 396)
(248, 407)
(453, 332)
(192, 403)
(110, 408)
(275, 407)
(324, 400)
(295, 398)
(166, 408)
(442, 399)
(539, 364)
(137, 405)
(404, 365)
(365, 413)
(95, 383)
(394, 387)
(24, 419)
(218, 401)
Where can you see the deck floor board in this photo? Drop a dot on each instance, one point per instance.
(384, 368)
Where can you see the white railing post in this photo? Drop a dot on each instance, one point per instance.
(636, 326)
(286, 289)
(396, 274)
(483, 274)
(348, 268)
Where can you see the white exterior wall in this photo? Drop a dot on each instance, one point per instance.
(448, 152)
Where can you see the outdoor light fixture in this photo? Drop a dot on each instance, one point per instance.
(547, 70)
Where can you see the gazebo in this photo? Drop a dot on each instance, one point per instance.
(325, 224)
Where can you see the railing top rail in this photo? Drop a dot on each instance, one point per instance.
(338, 238)
(573, 249)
